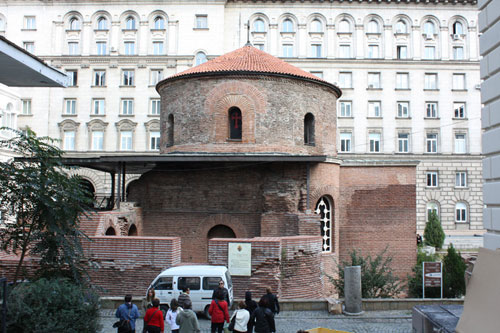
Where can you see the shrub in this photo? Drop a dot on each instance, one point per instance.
(454, 274)
(55, 305)
(415, 281)
(433, 233)
(377, 279)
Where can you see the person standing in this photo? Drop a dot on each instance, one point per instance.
(272, 301)
(242, 317)
(251, 305)
(184, 297)
(148, 301)
(153, 319)
(172, 315)
(218, 312)
(128, 312)
(262, 319)
(187, 320)
(225, 292)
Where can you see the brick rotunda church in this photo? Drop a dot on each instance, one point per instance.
(249, 154)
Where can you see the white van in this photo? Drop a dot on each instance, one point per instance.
(202, 280)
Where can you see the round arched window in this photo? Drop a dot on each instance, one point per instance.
(324, 209)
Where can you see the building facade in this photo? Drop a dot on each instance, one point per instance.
(409, 73)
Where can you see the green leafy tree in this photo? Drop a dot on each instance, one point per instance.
(377, 280)
(41, 204)
(52, 305)
(433, 233)
(454, 274)
(415, 280)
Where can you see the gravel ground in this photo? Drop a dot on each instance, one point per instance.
(291, 321)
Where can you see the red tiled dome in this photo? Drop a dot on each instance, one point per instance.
(249, 60)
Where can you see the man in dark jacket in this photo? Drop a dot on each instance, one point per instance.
(262, 319)
(272, 301)
(184, 297)
(224, 291)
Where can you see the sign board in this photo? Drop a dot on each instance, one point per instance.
(432, 276)
(240, 259)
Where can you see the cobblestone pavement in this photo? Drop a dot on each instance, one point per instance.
(291, 321)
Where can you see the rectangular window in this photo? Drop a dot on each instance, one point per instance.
(127, 107)
(193, 283)
(431, 143)
(345, 51)
(317, 74)
(430, 53)
(101, 48)
(126, 140)
(155, 106)
(374, 109)
(26, 106)
(431, 109)
(458, 81)
(129, 48)
(402, 81)
(98, 106)
(459, 110)
(430, 81)
(460, 143)
(97, 140)
(29, 46)
(432, 179)
(403, 109)
(259, 46)
(345, 80)
(461, 212)
(458, 53)
(316, 50)
(345, 109)
(201, 22)
(345, 142)
(461, 179)
(73, 48)
(73, 78)
(402, 52)
(156, 76)
(128, 77)
(99, 78)
(373, 80)
(373, 51)
(374, 142)
(287, 50)
(154, 141)
(69, 140)
(158, 48)
(30, 22)
(70, 106)
(403, 142)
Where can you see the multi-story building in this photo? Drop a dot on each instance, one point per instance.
(409, 72)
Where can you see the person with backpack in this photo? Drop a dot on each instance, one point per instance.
(127, 313)
(218, 311)
(153, 319)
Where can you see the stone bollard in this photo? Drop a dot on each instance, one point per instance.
(352, 291)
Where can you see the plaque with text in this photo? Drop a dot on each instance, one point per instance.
(240, 259)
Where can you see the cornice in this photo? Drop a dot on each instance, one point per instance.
(419, 2)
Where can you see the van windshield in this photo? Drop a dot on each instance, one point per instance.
(229, 281)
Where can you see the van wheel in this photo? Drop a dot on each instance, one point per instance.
(164, 308)
(205, 312)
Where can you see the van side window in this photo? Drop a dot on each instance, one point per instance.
(163, 283)
(192, 283)
(211, 283)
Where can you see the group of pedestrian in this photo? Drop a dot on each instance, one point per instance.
(248, 318)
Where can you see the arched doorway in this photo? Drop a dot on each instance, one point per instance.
(133, 230)
(221, 231)
(110, 232)
(88, 188)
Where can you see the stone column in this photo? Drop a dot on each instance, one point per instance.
(352, 291)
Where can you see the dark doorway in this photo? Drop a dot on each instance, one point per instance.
(111, 232)
(133, 230)
(221, 231)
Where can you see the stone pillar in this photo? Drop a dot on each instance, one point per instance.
(352, 290)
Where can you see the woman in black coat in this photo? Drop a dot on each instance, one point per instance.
(262, 318)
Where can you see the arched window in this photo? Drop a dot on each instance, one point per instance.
(344, 26)
(130, 23)
(287, 26)
(461, 212)
(429, 28)
(170, 130)
(110, 231)
(432, 207)
(200, 58)
(132, 231)
(324, 209)
(373, 26)
(74, 23)
(235, 123)
(316, 26)
(401, 27)
(221, 231)
(458, 28)
(102, 23)
(259, 25)
(159, 23)
(309, 129)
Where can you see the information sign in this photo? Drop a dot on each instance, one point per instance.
(240, 259)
